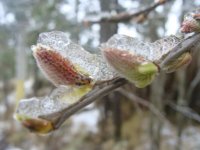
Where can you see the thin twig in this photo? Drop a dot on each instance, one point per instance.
(145, 103)
(196, 80)
(193, 84)
(186, 111)
(126, 16)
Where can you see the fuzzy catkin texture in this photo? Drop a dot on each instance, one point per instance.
(135, 68)
(59, 70)
(191, 22)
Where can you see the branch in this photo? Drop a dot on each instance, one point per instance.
(185, 111)
(139, 100)
(127, 16)
(100, 91)
(58, 118)
(184, 46)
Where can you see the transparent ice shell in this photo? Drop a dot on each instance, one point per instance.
(65, 95)
(35, 107)
(150, 51)
(92, 64)
(60, 98)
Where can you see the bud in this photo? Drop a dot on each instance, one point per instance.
(59, 70)
(36, 125)
(134, 68)
(178, 63)
(139, 61)
(191, 22)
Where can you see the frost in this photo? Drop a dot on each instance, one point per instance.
(92, 64)
(150, 51)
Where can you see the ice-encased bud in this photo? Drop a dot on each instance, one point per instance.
(191, 22)
(130, 63)
(35, 107)
(28, 111)
(153, 52)
(128, 56)
(37, 125)
(59, 70)
(83, 66)
(179, 62)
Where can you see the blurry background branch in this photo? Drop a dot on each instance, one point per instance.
(139, 16)
(185, 111)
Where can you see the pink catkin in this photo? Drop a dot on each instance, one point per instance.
(58, 69)
(190, 25)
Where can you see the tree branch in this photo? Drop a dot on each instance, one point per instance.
(103, 89)
(185, 111)
(184, 46)
(126, 16)
(98, 92)
(152, 108)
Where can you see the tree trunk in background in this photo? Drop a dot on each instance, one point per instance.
(183, 99)
(112, 101)
(157, 91)
(20, 66)
(107, 29)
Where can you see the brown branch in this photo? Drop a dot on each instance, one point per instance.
(185, 111)
(146, 103)
(59, 117)
(126, 16)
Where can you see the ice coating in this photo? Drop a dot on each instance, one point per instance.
(149, 51)
(193, 14)
(92, 64)
(60, 98)
(50, 52)
(35, 107)
(191, 22)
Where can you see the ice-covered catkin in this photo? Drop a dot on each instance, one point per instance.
(29, 110)
(131, 59)
(69, 67)
(84, 65)
(149, 51)
(59, 70)
(191, 22)
(139, 61)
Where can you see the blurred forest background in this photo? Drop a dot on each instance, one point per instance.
(164, 115)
